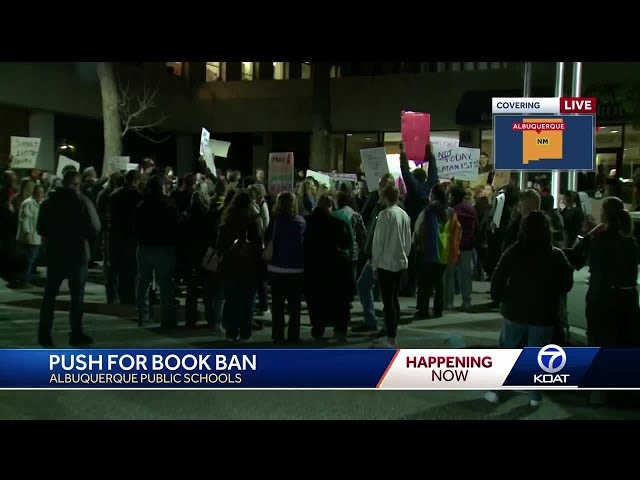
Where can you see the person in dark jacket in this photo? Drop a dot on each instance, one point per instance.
(199, 232)
(529, 282)
(418, 184)
(67, 222)
(613, 315)
(327, 241)
(240, 247)
(120, 258)
(116, 180)
(286, 267)
(529, 202)
(498, 227)
(468, 219)
(573, 217)
(156, 226)
(182, 196)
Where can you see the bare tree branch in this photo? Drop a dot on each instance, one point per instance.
(152, 140)
(136, 110)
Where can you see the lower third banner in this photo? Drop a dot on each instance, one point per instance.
(550, 367)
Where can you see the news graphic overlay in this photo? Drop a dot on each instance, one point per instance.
(550, 367)
(542, 134)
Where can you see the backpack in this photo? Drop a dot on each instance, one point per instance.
(449, 235)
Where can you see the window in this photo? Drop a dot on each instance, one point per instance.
(279, 70)
(247, 70)
(306, 70)
(454, 66)
(609, 137)
(335, 71)
(215, 71)
(483, 65)
(356, 142)
(175, 68)
(469, 66)
(495, 65)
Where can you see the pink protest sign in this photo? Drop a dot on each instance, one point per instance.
(416, 130)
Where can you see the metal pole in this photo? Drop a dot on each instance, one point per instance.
(555, 175)
(576, 91)
(525, 93)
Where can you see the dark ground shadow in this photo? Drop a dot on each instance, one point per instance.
(476, 409)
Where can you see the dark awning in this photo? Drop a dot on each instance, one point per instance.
(474, 108)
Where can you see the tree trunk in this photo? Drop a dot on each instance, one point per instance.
(321, 113)
(110, 114)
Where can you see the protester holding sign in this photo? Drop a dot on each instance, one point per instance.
(419, 184)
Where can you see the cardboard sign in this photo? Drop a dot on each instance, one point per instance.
(24, 151)
(204, 140)
(281, 172)
(63, 162)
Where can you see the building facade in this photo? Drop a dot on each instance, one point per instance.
(268, 106)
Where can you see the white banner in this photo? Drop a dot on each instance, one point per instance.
(322, 178)
(63, 162)
(459, 163)
(208, 158)
(219, 148)
(204, 140)
(117, 164)
(375, 165)
(24, 151)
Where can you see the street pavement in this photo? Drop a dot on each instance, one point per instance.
(114, 326)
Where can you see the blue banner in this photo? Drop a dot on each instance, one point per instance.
(571, 148)
(193, 369)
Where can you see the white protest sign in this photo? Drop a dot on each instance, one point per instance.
(118, 163)
(208, 158)
(204, 139)
(497, 212)
(24, 151)
(375, 165)
(322, 178)
(460, 163)
(439, 143)
(132, 166)
(219, 148)
(344, 177)
(63, 162)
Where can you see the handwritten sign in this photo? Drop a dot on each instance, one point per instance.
(63, 162)
(117, 164)
(132, 166)
(321, 178)
(343, 177)
(204, 140)
(481, 181)
(443, 143)
(460, 163)
(280, 172)
(415, 129)
(24, 151)
(375, 165)
(208, 158)
(219, 148)
(500, 179)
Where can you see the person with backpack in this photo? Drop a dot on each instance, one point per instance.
(239, 247)
(436, 238)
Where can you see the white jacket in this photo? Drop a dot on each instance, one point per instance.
(27, 221)
(391, 240)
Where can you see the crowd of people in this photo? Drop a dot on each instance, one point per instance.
(230, 242)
